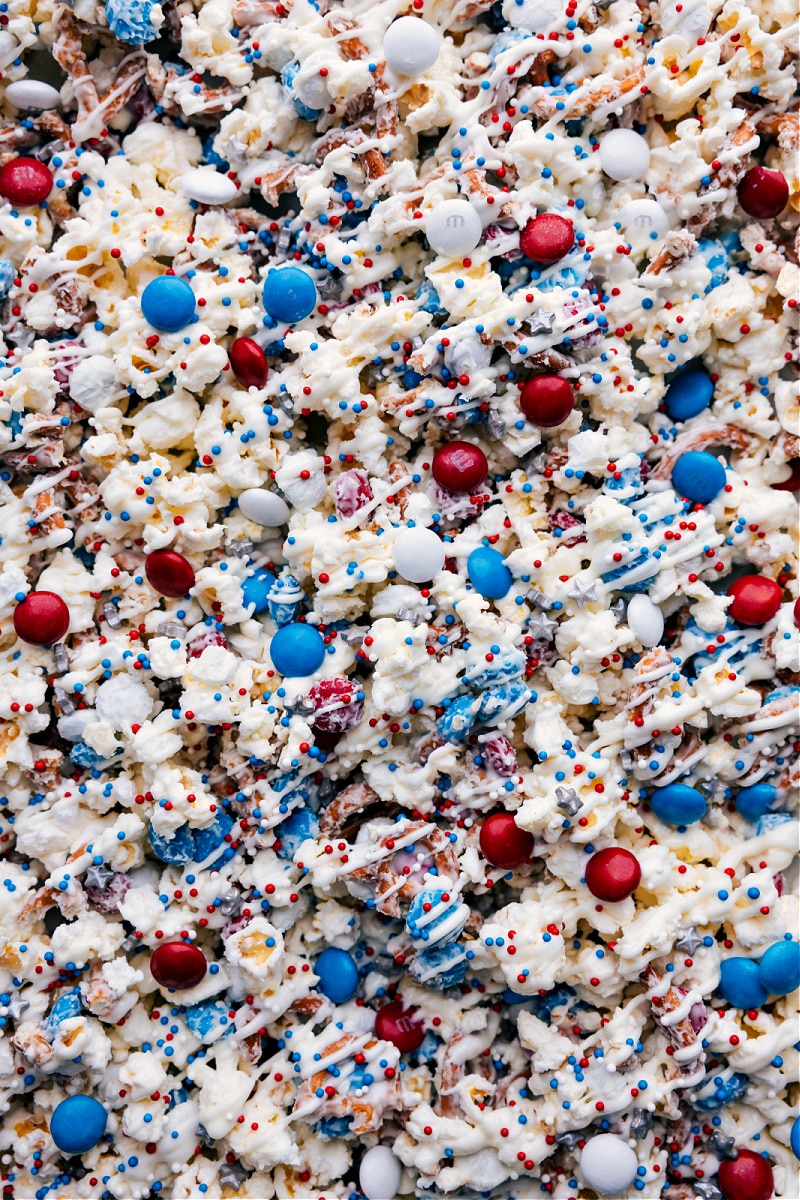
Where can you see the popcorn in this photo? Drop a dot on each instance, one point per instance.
(271, 907)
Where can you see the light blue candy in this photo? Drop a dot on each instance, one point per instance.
(507, 664)
(752, 802)
(740, 983)
(457, 720)
(297, 650)
(289, 294)
(295, 830)
(64, 1008)
(168, 303)
(209, 1021)
(488, 573)
(255, 590)
(730, 1089)
(441, 929)
(129, 21)
(689, 394)
(77, 1124)
(772, 820)
(284, 598)
(441, 966)
(678, 804)
(8, 274)
(503, 702)
(288, 75)
(338, 975)
(698, 476)
(779, 969)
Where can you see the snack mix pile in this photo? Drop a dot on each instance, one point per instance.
(398, 468)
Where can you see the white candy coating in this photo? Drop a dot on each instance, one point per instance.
(410, 46)
(32, 93)
(645, 620)
(379, 1174)
(454, 228)
(624, 154)
(263, 506)
(208, 186)
(418, 554)
(608, 1164)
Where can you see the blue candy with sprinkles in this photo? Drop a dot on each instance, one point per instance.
(399, 464)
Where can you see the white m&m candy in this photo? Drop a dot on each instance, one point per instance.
(380, 1173)
(641, 218)
(645, 620)
(608, 1164)
(410, 46)
(32, 93)
(624, 154)
(454, 228)
(263, 506)
(418, 554)
(207, 186)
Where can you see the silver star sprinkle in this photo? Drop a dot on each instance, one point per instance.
(688, 940)
(568, 801)
(641, 1123)
(330, 287)
(722, 1145)
(230, 903)
(16, 1006)
(98, 876)
(541, 626)
(415, 615)
(541, 321)
(300, 706)
(583, 593)
(241, 548)
(232, 1175)
(706, 1189)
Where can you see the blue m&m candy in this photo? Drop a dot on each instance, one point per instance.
(678, 804)
(168, 303)
(740, 983)
(688, 394)
(338, 975)
(795, 1137)
(488, 573)
(289, 294)
(255, 590)
(297, 650)
(77, 1124)
(752, 802)
(698, 476)
(779, 969)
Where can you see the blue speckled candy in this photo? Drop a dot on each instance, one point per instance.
(168, 303)
(752, 802)
(284, 599)
(297, 650)
(77, 1124)
(678, 804)
(333, 1127)
(727, 1091)
(209, 1021)
(446, 923)
(688, 394)
(716, 259)
(488, 573)
(338, 975)
(772, 820)
(289, 294)
(502, 703)
(779, 969)
(84, 756)
(129, 21)
(698, 476)
(288, 75)
(207, 840)
(458, 718)
(255, 590)
(176, 850)
(64, 1008)
(292, 832)
(506, 665)
(8, 273)
(440, 967)
(741, 984)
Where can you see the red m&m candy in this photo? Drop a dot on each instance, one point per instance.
(547, 238)
(796, 611)
(613, 874)
(503, 843)
(248, 363)
(546, 400)
(178, 965)
(756, 599)
(792, 481)
(763, 193)
(169, 573)
(25, 181)
(397, 1025)
(42, 618)
(746, 1177)
(459, 466)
